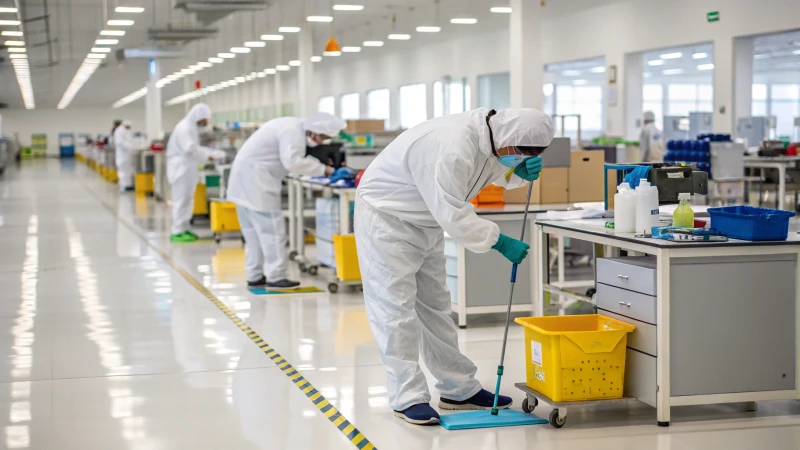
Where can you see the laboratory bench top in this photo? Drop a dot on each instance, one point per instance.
(517, 208)
(756, 158)
(597, 227)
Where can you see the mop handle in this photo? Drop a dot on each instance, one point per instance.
(510, 299)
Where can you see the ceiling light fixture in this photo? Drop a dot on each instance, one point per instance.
(598, 69)
(255, 44)
(188, 71)
(316, 58)
(129, 9)
(240, 50)
(331, 53)
(427, 29)
(319, 19)
(130, 98)
(18, 56)
(271, 37)
(500, 9)
(120, 23)
(399, 37)
(8, 10)
(294, 62)
(348, 7)
(373, 44)
(464, 21)
(96, 56)
(10, 22)
(106, 42)
(699, 55)
(351, 49)
(11, 33)
(655, 62)
(282, 67)
(261, 75)
(23, 74)
(216, 60)
(673, 72)
(112, 33)
(100, 50)
(288, 29)
(15, 43)
(204, 65)
(674, 55)
(270, 71)
(226, 55)
(796, 52)
(17, 50)
(85, 71)
(705, 67)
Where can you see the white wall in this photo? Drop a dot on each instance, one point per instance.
(92, 121)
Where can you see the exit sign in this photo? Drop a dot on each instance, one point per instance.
(713, 16)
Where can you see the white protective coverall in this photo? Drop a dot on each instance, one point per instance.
(123, 144)
(420, 185)
(184, 154)
(273, 151)
(651, 142)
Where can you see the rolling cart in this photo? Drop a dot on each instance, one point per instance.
(558, 416)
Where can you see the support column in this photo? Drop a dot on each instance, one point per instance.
(278, 98)
(633, 74)
(723, 85)
(742, 78)
(305, 74)
(527, 66)
(152, 112)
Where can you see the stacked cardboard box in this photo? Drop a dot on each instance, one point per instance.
(582, 181)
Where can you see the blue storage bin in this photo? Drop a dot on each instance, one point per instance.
(751, 223)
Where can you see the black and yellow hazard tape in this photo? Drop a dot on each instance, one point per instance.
(322, 404)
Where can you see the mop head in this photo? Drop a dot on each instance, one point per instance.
(297, 290)
(485, 419)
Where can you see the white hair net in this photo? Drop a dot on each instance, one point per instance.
(324, 123)
(521, 127)
(199, 112)
(649, 116)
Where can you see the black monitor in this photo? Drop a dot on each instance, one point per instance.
(330, 154)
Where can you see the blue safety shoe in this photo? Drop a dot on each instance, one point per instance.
(482, 400)
(419, 414)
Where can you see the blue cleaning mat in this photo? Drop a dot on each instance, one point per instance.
(297, 290)
(484, 419)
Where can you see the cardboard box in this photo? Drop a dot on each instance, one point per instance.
(551, 187)
(586, 176)
(364, 126)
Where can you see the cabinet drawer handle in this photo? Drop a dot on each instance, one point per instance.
(622, 277)
(625, 304)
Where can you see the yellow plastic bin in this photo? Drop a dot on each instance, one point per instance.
(144, 183)
(344, 250)
(200, 201)
(575, 358)
(224, 217)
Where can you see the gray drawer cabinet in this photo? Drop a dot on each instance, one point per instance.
(627, 303)
(636, 273)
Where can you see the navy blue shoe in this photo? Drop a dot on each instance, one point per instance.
(419, 414)
(482, 400)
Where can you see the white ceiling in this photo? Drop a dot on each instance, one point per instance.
(75, 24)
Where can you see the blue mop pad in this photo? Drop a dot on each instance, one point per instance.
(297, 290)
(484, 419)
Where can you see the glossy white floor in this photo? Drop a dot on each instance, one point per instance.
(105, 346)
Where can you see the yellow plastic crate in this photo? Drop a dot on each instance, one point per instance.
(112, 175)
(574, 358)
(344, 250)
(200, 201)
(145, 183)
(224, 217)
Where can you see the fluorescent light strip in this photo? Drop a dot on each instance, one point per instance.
(216, 60)
(129, 9)
(16, 50)
(15, 43)
(12, 23)
(282, 67)
(204, 65)
(270, 71)
(240, 50)
(255, 44)
(655, 62)
(331, 53)
(106, 42)
(399, 37)
(699, 55)
(707, 66)
(598, 69)
(101, 50)
(112, 33)
(319, 19)
(464, 21)
(120, 23)
(85, 71)
(271, 37)
(316, 58)
(373, 44)
(348, 7)
(11, 33)
(294, 63)
(18, 56)
(289, 29)
(8, 10)
(500, 9)
(226, 55)
(427, 29)
(674, 55)
(96, 56)
(351, 49)
(23, 74)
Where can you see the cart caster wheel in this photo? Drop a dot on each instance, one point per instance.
(292, 254)
(333, 287)
(663, 424)
(217, 238)
(555, 422)
(527, 407)
(590, 292)
(302, 268)
(313, 270)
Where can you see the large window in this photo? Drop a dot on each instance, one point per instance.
(450, 98)
(327, 104)
(785, 106)
(685, 98)
(760, 101)
(413, 104)
(379, 105)
(494, 91)
(587, 101)
(653, 100)
(349, 106)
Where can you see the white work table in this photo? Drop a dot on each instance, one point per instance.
(782, 163)
(735, 314)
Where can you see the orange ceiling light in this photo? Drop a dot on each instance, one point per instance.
(332, 46)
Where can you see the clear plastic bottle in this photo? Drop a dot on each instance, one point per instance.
(624, 209)
(683, 216)
(646, 207)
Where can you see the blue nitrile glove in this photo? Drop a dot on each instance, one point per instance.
(513, 249)
(529, 169)
(340, 174)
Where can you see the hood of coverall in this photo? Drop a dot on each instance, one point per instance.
(515, 127)
(324, 123)
(198, 112)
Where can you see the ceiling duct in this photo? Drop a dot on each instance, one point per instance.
(210, 11)
(180, 34)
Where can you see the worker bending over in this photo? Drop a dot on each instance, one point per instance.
(273, 151)
(184, 154)
(651, 143)
(416, 189)
(123, 144)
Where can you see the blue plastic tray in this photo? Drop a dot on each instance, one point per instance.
(750, 223)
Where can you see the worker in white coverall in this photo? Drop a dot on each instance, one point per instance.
(651, 140)
(184, 154)
(416, 189)
(123, 144)
(273, 151)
